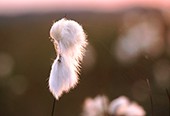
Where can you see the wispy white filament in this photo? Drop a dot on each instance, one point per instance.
(70, 42)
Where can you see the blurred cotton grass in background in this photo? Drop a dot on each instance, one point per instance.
(141, 34)
(95, 107)
(121, 106)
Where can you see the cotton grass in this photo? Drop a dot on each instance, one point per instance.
(70, 41)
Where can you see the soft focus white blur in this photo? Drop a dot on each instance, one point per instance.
(121, 106)
(142, 35)
(95, 107)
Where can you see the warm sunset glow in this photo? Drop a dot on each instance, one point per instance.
(21, 6)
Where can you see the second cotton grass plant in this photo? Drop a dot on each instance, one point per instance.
(69, 41)
(121, 106)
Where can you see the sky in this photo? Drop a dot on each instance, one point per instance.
(22, 6)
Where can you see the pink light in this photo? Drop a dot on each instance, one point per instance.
(10, 6)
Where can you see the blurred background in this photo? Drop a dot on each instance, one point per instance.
(129, 42)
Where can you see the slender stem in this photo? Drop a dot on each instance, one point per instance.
(53, 107)
(150, 95)
(167, 92)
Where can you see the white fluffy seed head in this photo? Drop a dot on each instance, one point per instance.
(68, 34)
(70, 42)
(63, 76)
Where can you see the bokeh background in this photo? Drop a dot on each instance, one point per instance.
(129, 42)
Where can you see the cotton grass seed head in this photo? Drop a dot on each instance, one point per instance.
(70, 42)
